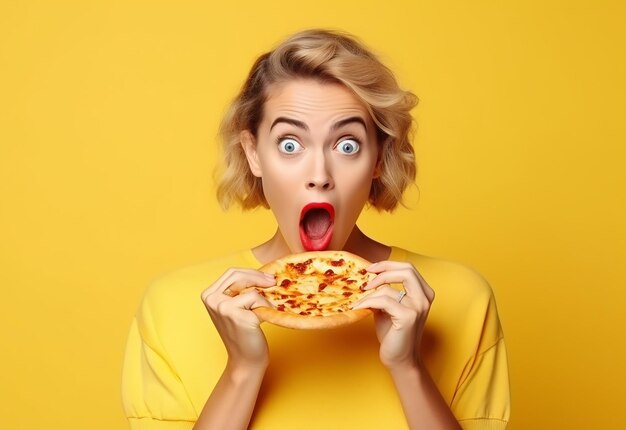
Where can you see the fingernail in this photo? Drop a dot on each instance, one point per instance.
(372, 268)
(370, 286)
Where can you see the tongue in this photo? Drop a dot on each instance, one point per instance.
(316, 223)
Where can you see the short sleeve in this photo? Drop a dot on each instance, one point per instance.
(154, 397)
(482, 399)
(486, 391)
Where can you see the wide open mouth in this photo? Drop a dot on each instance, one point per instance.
(316, 226)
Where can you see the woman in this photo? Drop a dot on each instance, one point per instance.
(320, 123)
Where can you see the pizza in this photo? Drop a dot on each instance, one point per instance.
(315, 290)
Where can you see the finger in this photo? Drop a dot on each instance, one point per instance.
(419, 304)
(243, 278)
(384, 290)
(381, 266)
(240, 284)
(239, 308)
(409, 277)
(394, 276)
(400, 315)
(236, 274)
(388, 305)
(398, 265)
(251, 300)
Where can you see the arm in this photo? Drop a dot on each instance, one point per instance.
(400, 321)
(232, 401)
(423, 405)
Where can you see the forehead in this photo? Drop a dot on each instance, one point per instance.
(312, 101)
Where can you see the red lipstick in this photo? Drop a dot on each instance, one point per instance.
(316, 225)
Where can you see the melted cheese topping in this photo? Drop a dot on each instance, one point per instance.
(318, 287)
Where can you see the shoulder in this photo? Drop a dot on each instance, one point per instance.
(465, 306)
(187, 283)
(448, 276)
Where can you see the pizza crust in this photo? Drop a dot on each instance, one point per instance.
(309, 282)
(296, 321)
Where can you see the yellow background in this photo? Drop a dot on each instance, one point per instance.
(108, 116)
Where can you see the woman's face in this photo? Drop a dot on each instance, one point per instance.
(316, 154)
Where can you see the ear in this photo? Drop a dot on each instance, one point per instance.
(248, 143)
(378, 169)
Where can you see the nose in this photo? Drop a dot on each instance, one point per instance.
(320, 176)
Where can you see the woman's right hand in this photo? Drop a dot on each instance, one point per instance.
(232, 400)
(231, 313)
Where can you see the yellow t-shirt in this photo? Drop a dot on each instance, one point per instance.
(320, 379)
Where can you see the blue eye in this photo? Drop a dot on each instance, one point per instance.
(289, 146)
(348, 146)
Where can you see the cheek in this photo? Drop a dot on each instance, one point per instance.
(278, 185)
(273, 186)
(356, 189)
(273, 178)
(357, 176)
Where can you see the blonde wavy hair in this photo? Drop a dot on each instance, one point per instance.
(327, 56)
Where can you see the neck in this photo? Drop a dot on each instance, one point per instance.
(364, 246)
(271, 250)
(358, 243)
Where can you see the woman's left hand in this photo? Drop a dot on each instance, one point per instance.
(400, 318)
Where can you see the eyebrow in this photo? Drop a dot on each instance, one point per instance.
(291, 121)
(303, 126)
(347, 121)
